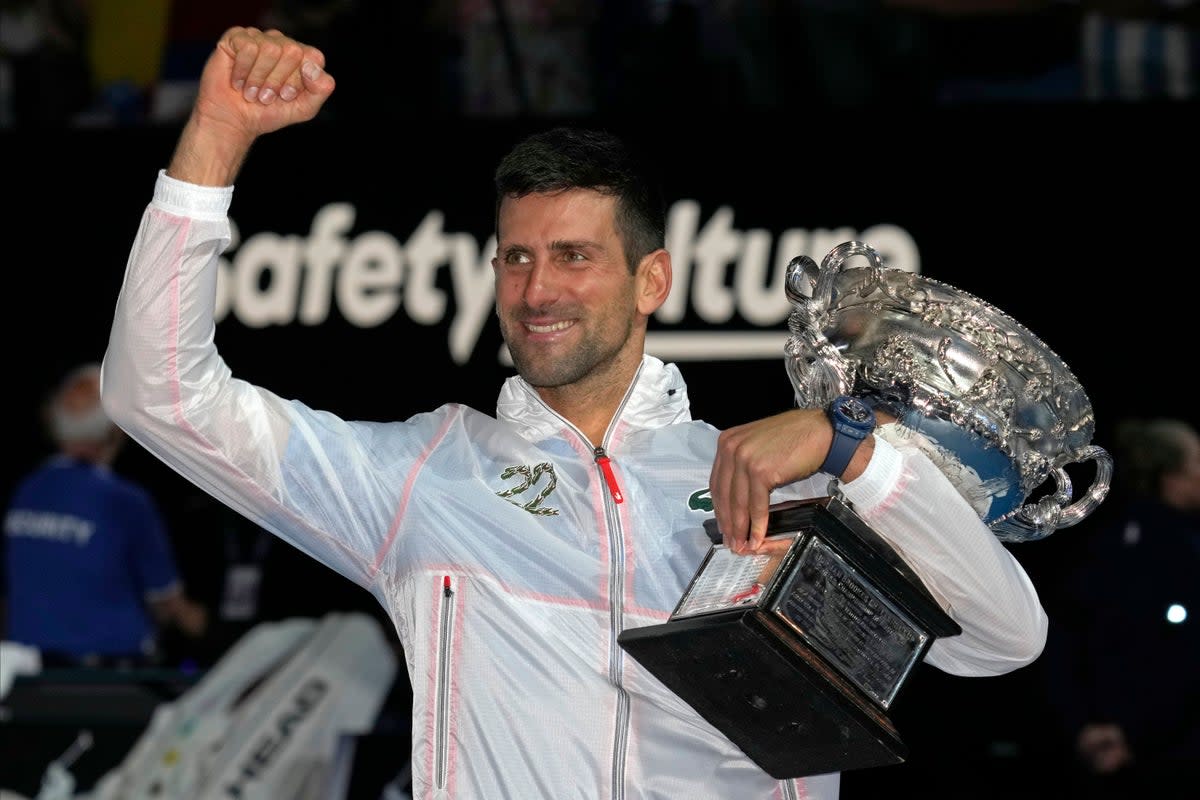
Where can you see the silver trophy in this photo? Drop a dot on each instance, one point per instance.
(986, 399)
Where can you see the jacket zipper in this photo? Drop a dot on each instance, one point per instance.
(441, 721)
(616, 589)
(606, 470)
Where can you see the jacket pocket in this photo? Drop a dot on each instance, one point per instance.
(445, 658)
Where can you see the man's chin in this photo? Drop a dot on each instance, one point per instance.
(541, 376)
(540, 380)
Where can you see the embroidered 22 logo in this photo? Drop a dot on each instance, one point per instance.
(532, 475)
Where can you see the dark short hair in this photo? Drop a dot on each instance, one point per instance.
(578, 158)
(1149, 449)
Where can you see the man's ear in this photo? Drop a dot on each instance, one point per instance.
(654, 281)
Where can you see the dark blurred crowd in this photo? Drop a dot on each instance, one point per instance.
(115, 62)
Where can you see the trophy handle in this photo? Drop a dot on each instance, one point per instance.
(818, 365)
(811, 287)
(1056, 510)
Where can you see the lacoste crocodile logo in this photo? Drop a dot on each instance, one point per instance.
(531, 477)
(701, 500)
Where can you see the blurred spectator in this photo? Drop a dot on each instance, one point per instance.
(525, 56)
(44, 72)
(1124, 649)
(89, 570)
(781, 55)
(110, 62)
(125, 43)
(1137, 50)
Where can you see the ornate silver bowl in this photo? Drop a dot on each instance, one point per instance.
(985, 398)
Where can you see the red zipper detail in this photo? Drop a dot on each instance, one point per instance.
(606, 467)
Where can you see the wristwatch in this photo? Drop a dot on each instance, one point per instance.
(853, 420)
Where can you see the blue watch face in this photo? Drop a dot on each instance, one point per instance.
(855, 410)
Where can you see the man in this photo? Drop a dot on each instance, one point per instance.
(511, 551)
(90, 575)
(1121, 664)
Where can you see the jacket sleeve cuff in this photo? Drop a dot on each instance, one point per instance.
(190, 200)
(879, 479)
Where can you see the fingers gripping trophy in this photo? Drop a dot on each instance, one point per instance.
(997, 410)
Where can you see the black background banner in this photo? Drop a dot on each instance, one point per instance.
(1077, 221)
(1064, 218)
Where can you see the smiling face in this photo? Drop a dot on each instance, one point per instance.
(570, 310)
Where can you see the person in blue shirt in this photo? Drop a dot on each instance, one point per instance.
(89, 574)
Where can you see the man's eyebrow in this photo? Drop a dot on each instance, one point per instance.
(510, 249)
(574, 244)
(557, 246)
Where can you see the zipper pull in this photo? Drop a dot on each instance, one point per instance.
(606, 467)
(446, 592)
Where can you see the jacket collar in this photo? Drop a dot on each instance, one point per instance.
(657, 397)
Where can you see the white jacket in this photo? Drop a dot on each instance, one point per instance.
(497, 547)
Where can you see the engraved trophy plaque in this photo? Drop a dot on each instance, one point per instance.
(797, 654)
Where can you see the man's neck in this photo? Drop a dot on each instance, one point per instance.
(590, 411)
(91, 452)
(591, 404)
